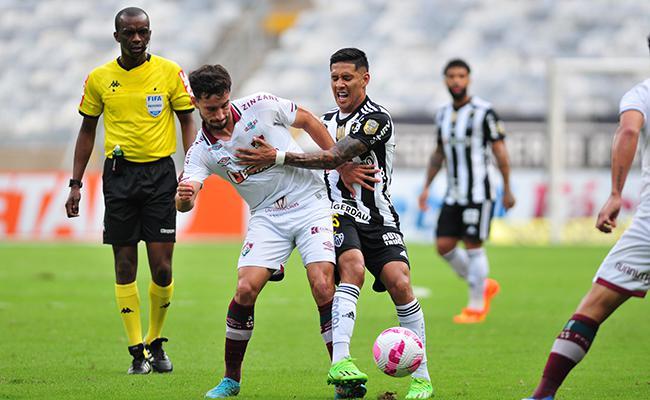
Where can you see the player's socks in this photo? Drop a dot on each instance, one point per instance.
(239, 329)
(159, 301)
(128, 304)
(410, 316)
(459, 261)
(476, 275)
(325, 312)
(568, 350)
(344, 313)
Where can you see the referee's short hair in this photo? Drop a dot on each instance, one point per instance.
(350, 55)
(128, 12)
(209, 80)
(456, 62)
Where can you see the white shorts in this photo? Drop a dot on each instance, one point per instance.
(626, 269)
(274, 232)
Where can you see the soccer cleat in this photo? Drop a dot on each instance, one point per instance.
(277, 274)
(140, 364)
(492, 288)
(350, 391)
(345, 372)
(470, 316)
(420, 389)
(545, 398)
(226, 388)
(158, 358)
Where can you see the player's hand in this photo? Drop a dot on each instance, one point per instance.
(261, 153)
(606, 221)
(423, 200)
(185, 191)
(508, 199)
(72, 204)
(361, 174)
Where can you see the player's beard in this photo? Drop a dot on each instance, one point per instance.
(457, 95)
(212, 126)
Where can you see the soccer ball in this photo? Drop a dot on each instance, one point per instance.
(398, 351)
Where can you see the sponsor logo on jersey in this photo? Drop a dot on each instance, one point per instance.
(351, 211)
(248, 246)
(167, 230)
(633, 272)
(315, 229)
(349, 315)
(370, 127)
(223, 161)
(251, 125)
(257, 98)
(216, 146)
(154, 104)
(126, 310)
(328, 246)
(392, 239)
(338, 239)
(114, 84)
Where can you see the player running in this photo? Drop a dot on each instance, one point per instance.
(366, 225)
(289, 206)
(625, 271)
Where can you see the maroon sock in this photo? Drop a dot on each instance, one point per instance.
(568, 350)
(325, 312)
(239, 328)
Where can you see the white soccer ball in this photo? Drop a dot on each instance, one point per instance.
(398, 351)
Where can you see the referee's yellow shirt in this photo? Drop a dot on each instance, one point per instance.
(138, 106)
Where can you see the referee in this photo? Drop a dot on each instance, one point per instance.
(470, 135)
(137, 93)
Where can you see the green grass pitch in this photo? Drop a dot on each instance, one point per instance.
(61, 337)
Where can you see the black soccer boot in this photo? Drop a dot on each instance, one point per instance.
(140, 364)
(159, 360)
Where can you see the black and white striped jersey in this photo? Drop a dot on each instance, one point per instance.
(466, 135)
(371, 124)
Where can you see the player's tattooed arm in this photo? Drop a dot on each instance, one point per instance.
(344, 150)
(263, 154)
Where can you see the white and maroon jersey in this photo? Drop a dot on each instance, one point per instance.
(371, 124)
(262, 115)
(465, 136)
(638, 98)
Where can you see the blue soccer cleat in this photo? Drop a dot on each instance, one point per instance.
(226, 388)
(350, 391)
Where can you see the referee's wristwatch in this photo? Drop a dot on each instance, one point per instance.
(75, 182)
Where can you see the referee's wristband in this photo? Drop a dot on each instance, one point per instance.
(279, 157)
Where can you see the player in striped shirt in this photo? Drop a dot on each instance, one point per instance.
(469, 133)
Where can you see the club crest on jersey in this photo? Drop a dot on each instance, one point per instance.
(154, 104)
(356, 126)
(370, 127)
(250, 125)
(338, 239)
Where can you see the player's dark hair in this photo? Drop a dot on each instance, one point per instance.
(350, 55)
(129, 12)
(209, 80)
(456, 62)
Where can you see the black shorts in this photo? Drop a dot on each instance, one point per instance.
(139, 202)
(379, 245)
(471, 221)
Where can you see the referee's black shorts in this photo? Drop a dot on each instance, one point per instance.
(379, 245)
(139, 202)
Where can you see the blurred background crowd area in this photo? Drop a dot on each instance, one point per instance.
(47, 48)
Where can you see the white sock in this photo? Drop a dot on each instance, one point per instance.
(410, 316)
(344, 313)
(459, 261)
(477, 274)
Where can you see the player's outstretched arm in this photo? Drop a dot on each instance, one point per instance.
(624, 147)
(308, 122)
(82, 151)
(435, 164)
(501, 154)
(186, 195)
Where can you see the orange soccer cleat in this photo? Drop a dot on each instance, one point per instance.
(473, 316)
(492, 288)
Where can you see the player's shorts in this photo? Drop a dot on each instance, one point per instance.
(379, 244)
(139, 202)
(471, 221)
(274, 232)
(626, 269)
